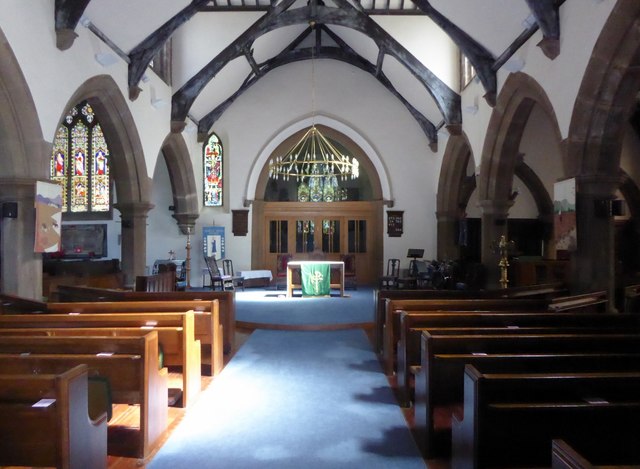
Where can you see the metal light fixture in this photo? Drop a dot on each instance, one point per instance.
(315, 163)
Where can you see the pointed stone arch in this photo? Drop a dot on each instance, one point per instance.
(517, 98)
(454, 190)
(605, 101)
(129, 170)
(501, 155)
(183, 183)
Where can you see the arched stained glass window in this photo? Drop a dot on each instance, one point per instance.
(80, 164)
(212, 162)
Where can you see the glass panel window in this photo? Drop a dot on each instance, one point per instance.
(305, 233)
(278, 236)
(330, 235)
(357, 236)
(213, 172)
(80, 164)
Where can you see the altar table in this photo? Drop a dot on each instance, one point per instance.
(293, 265)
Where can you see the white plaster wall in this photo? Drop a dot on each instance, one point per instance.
(354, 98)
(580, 24)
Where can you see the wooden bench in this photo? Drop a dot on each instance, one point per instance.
(393, 307)
(12, 304)
(207, 326)
(412, 325)
(439, 386)
(565, 456)
(595, 302)
(542, 291)
(129, 363)
(175, 336)
(226, 301)
(44, 421)
(510, 419)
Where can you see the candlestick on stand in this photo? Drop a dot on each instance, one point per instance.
(187, 263)
(504, 247)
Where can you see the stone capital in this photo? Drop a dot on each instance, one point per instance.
(133, 209)
(186, 222)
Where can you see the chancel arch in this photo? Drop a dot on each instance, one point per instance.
(348, 226)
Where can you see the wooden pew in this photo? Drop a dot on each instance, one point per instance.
(565, 456)
(510, 419)
(413, 324)
(226, 301)
(61, 434)
(631, 296)
(208, 328)
(541, 291)
(129, 363)
(438, 385)
(12, 304)
(391, 330)
(175, 336)
(595, 302)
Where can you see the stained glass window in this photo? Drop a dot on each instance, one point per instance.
(212, 156)
(80, 163)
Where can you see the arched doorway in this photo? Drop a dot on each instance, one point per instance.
(324, 230)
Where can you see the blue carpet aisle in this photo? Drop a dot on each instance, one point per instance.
(291, 399)
(272, 307)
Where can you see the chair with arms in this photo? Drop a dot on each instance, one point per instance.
(227, 268)
(218, 279)
(390, 280)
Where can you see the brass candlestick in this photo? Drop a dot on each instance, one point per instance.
(503, 248)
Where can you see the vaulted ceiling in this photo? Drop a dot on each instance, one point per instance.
(267, 34)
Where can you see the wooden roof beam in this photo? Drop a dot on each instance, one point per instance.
(67, 15)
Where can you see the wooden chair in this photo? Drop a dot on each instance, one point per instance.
(227, 268)
(218, 279)
(281, 270)
(390, 280)
(349, 270)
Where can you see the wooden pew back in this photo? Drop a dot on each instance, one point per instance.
(511, 419)
(129, 363)
(208, 328)
(60, 434)
(432, 383)
(226, 301)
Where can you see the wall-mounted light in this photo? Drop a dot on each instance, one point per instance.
(106, 59)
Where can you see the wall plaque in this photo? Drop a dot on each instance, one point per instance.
(394, 223)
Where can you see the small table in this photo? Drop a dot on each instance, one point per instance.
(291, 265)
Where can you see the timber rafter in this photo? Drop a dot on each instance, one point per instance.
(67, 16)
(447, 101)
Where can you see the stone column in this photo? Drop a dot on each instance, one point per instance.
(594, 260)
(448, 235)
(21, 266)
(134, 239)
(494, 224)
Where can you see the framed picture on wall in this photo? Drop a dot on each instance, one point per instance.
(213, 241)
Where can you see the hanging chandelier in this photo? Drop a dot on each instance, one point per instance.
(314, 162)
(317, 166)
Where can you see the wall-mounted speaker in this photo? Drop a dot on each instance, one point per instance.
(10, 210)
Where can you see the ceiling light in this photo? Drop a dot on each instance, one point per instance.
(106, 59)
